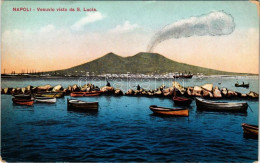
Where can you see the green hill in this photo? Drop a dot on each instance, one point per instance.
(143, 63)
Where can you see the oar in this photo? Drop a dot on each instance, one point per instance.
(250, 108)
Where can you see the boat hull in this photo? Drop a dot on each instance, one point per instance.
(250, 129)
(181, 101)
(82, 105)
(23, 96)
(84, 94)
(92, 94)
(45, 99)
(242, 85)
(183, 76)
(77, 94)
(167, 111)
(50, 95)
(221, 106)
(27, 102)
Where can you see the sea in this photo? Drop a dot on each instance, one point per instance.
(124, 128)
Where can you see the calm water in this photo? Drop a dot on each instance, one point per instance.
(124, 129)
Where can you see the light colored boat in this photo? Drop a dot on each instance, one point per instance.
(45, 99)
(50, 94)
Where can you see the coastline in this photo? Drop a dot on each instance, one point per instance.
(256, 76)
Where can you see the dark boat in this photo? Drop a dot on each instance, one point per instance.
(183, 76)
(23, 96)
(77, 94)
(169, 111)
(187, 76)
(18, 101)
(181, 100)
(82, 105)
(203, 104)
(250, 129)
(242, 85)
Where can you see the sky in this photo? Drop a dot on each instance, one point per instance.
(44, 41)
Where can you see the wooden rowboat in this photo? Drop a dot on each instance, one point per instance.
(242, 85)
(97, 91)
(23, 96)
(50, 94)
(203, 104)
(82, 105)
(88, 94)
(187, 76)
(84, 94)
(169, 111)
(181, 100)
(250, 129)
(77, 94)
(18, 101)
(45, 99)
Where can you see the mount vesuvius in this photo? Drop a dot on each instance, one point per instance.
(141, 63)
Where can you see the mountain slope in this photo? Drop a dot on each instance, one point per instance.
(145, 63)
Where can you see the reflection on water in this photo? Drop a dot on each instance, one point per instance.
(123, 129)
(49, 122)
(201, 111)
(250, 136)
(170, 117)
(21, 107)
(85, 112)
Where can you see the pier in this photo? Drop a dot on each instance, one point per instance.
(206, 90)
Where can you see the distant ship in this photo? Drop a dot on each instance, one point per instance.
(181, 75)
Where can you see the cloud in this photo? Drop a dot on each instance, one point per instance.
(47, 29)
(63, 48)
(89, 18)
(126, 27)
(213, 24)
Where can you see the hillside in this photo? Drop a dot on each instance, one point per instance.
(143, 63)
